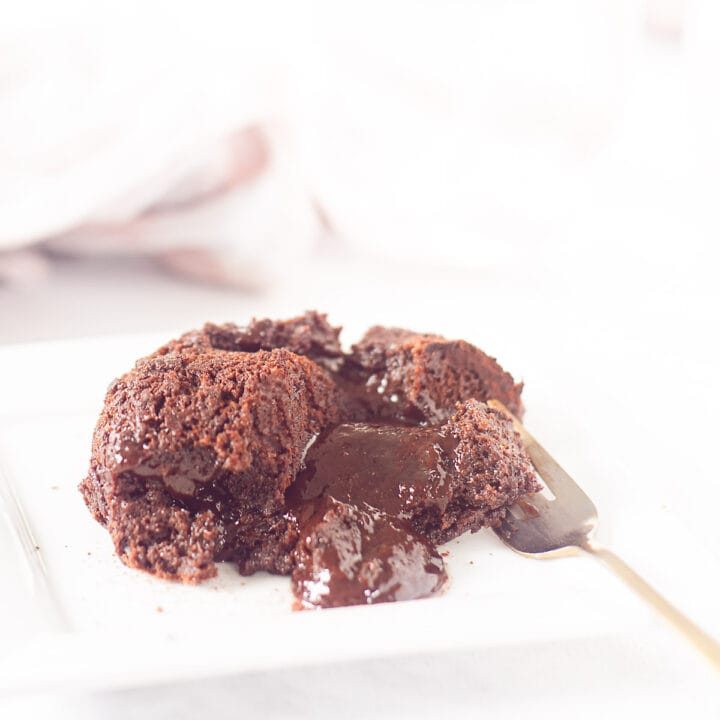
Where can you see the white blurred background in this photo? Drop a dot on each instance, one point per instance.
(234, 143)
(539, 177)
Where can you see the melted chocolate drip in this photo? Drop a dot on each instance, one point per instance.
(350, 555)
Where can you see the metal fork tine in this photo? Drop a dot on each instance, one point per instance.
(547, 467)
(507, 526)
(549, 470)
(536, 502)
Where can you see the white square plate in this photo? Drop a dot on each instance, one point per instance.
(72, 616)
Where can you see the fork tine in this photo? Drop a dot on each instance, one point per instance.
(547, 467)
(507, 527)
(533, 504)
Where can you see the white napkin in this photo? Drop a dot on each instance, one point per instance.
(149, 129)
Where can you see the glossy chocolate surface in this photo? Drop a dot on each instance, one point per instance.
(393, 468)
(358, 555)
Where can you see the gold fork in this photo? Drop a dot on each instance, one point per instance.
(550, 528)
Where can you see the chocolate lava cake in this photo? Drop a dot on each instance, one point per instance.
(268, 446)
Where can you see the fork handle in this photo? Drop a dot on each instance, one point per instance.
(694, 634)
